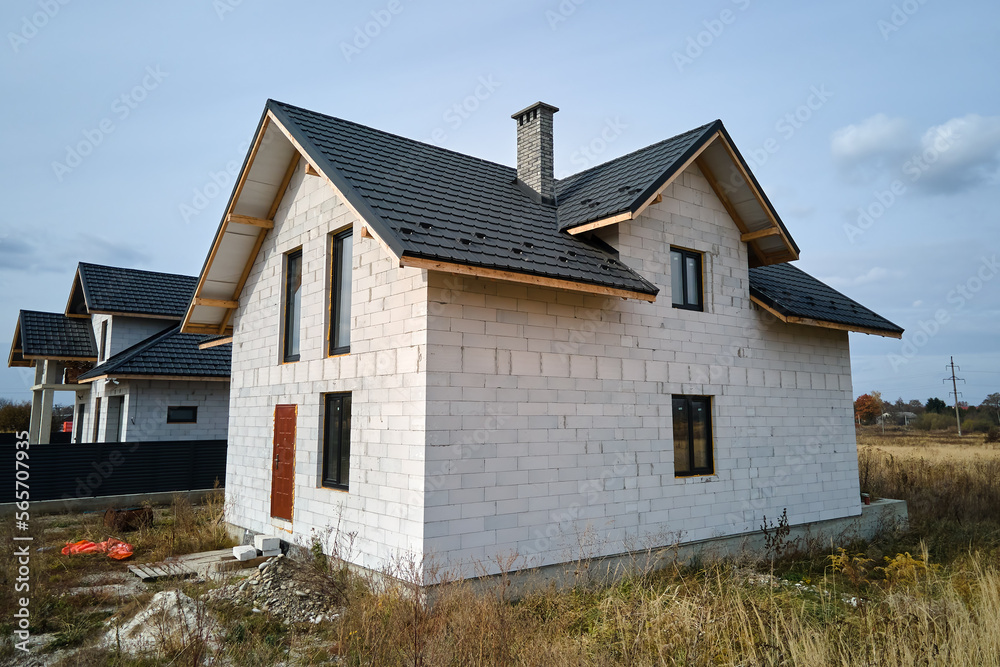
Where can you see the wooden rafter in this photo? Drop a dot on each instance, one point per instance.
(810, 322)
(235, 218)
(759, 234)
(511, 276)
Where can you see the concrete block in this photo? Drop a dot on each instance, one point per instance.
(266, 543)
(245, 552)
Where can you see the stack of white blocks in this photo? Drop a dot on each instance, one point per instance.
(266, 545)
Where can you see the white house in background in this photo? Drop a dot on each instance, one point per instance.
(118, 347)
(456, 359)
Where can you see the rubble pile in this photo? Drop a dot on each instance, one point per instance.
(292, 591)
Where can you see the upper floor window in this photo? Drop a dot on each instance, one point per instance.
(692, 419)
(340, 294)
(293, 304)
(685, 279)
(104, 341)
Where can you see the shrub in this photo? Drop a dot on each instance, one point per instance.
(993, 435)
(930, 421)
(976, 426)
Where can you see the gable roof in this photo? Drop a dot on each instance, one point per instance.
(440, 210)
(168, 354)
(40, 335)
(116, 290)
(428, 202)
(796, 297)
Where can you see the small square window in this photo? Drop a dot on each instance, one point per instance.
(182, 415)
(685, 279)
(337, 441)
(692, 417)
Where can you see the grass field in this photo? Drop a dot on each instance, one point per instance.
(929, 595)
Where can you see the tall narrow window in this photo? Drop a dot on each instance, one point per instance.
(692, 436)
(337, 441)
(104, 341)
(81, 412)
(685, 279)
(97, 419)
(340, 294)
(293, 304)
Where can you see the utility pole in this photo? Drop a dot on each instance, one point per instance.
(954, 387)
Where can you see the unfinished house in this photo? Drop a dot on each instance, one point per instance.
(118, 349)
(453, 359)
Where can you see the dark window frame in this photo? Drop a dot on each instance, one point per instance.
(685, 255)
(336, 346)
(104, 341)
(287, 356)
(342, 426)
(97, 418)
(690, 401)
(175, 408)
(81, 414)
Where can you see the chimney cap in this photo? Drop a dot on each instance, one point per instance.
(536, 105)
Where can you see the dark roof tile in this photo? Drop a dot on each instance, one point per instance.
(168, 353)
(131, 291)
(55, 335)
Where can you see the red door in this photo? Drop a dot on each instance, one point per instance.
(283, 461)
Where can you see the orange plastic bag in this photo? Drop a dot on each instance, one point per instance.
(112, 547)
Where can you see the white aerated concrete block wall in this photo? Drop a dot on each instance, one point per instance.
(549, 424)
(385, 372)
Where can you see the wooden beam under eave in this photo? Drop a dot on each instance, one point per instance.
(758, 195)
(208, 344)
(810, 322)
(215, 303)
(524, 278)
(210, 329)
(604, 222)
(236, 218)
(759, 234)
(311, 170)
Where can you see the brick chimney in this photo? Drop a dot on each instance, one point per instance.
(534, 150)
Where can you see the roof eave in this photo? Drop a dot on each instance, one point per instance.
(784, 315)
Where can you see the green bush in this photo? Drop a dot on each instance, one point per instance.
(976, 426)
(930, 421)
(993, 435)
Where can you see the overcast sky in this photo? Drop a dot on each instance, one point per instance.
(873, 127)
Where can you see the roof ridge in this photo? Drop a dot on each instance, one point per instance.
(125, 268)
(396, 136)
(700, 128)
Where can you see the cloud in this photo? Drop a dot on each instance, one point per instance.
(875, 274)
(36, 249)
(960, 154)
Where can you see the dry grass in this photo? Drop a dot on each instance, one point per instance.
(928, 596)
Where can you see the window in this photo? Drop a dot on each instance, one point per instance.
(293, 304)
(182, 414)
(81, 412)
(104, 341)
(97, 419)
(692, 436)
(340, 294)
(337, 441)
(685, 279)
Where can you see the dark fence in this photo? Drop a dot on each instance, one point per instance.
(90, 470)
(59, 437)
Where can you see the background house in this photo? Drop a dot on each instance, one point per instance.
(449, 358)
(118, 349)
